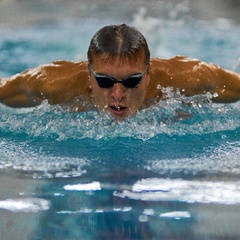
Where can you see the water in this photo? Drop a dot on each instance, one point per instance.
(71, 176)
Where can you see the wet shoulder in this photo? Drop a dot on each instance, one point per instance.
(173, 65)
(70, 79)
(63, 68)
(174, 72)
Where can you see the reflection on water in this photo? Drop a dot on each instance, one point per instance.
(183, 191)
(84, 175)
(27, 205)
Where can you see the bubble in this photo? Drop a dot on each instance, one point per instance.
(176, 115)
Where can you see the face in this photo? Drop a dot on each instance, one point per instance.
(120, 101)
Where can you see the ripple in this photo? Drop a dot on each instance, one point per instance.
(27, 205)
(156, 189)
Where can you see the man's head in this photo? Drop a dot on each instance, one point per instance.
(121, 54)
(118, 41)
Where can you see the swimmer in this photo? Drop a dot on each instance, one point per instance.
(119, 77)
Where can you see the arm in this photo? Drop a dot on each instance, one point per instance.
(58, 82)
(194, 77)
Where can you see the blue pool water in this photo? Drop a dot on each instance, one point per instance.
(156, 176)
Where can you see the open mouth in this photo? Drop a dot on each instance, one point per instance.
(119, 111)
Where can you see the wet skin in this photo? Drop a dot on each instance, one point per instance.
(120, 101)
(64, 82)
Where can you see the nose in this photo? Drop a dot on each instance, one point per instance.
(118, 91)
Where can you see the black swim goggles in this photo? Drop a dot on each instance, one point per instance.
(105, 81)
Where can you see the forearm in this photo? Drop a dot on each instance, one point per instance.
(14, 92)
(21, 100)
(228, 89)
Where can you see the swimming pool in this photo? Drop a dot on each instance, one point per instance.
(71, 176)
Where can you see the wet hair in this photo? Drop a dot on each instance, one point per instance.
(115, 41)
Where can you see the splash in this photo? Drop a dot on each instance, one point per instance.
(219, 160)
(21, 157)
(177, 115)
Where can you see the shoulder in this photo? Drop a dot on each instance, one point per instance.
(181, 67)
(53, 70)
(179, 72)
(65, 75)
(174, 63)
(64, 68)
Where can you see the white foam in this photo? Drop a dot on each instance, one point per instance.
(176, 214)
(26, 205)
(177, 115)
(93, 186)
(157, 189)
(223, 159)
(22, 157)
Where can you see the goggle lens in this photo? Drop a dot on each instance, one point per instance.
(105, 81)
